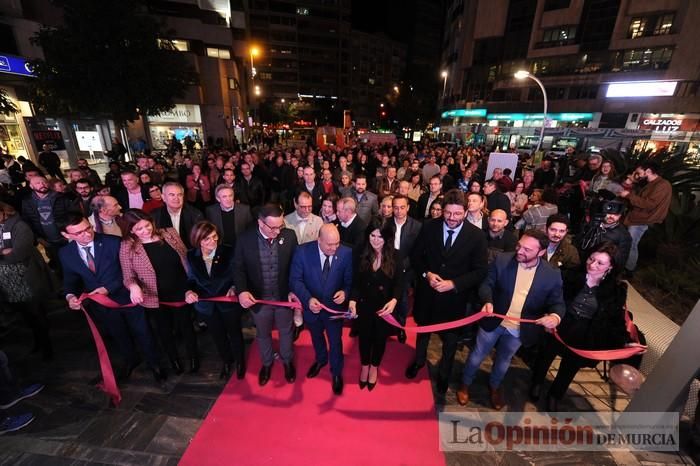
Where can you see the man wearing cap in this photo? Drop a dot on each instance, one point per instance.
(609, 228)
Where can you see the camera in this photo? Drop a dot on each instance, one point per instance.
(613, 207)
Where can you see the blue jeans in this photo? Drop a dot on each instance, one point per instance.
(636, 232)
(506, 346)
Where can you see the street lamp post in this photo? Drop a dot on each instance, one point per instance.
(253, 52)
(522, 74)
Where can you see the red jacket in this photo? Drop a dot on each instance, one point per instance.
(202, 185)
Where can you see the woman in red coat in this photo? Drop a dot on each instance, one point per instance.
(154, 268)
(198, 188)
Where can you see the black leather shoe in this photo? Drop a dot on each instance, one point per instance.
(290, 372)
(402, 336)
(264, 375)
(177, 366)
(337, 385)
(194, 365)
(412, 370)
(240, 370)
(535, 391)
(297, 332)
(225, 371)
(314, 370)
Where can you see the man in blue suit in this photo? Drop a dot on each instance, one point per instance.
(90, 264)
(520, 285)
(322, 274)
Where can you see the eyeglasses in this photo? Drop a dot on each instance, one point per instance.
(279, 228)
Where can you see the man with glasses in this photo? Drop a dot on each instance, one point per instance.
(91, 265)
(261, 271)
(450, 262)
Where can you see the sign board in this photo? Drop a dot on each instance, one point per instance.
(667, 122)
(51, 137)
(465, 112)
(501, 160)
(15, 65)
(89, 141)
(181, 113)
(642, 89)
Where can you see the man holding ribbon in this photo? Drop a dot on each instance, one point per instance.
(261, 270)
(520, 285)
(91, 266)
(321, 277)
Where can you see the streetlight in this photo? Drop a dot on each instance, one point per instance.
(444, 82)
(381, 105)
(282, 100)
(254, 52)
(396, 89)
(257, 90)
(522, 74)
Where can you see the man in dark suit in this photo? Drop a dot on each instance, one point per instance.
(91, 265)
(322, 274)
(350, 227)
(407, 231)
(520, 285)
(261, 271)
(314, 188)
(231, 219)
(450, 262)
(426, 199)
(176, 213)
(495, 199)
(250, 188)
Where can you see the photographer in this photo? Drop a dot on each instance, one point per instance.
(605, 225)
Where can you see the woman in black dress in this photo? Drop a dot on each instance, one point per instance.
(377, 287)
(594, 320)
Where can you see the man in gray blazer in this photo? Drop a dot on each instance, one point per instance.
(367, 203)
(230, 218)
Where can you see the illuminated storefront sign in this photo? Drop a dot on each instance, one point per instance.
(538, 116)
(668, 122)
(465, 112)
(15, 65)
(642, 89)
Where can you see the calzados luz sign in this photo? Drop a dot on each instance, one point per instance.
(663, 125)
(580, 431)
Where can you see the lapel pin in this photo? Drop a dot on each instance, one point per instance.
(281, 241)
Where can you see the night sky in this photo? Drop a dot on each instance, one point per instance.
(394, 18)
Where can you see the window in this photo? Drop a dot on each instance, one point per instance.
(179, 44)
(554, 37)
(213, 52)
(550, 5)
(653, 25)
(233, 84)
(303, 11)
(639, 59)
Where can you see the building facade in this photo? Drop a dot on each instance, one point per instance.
(618, 73)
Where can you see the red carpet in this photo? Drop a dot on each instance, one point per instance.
(305, 424)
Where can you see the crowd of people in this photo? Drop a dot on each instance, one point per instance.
(369, 230)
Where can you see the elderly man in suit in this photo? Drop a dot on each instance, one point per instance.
(261, 271)
(450, 262)
(91, 265)
(520, 284)
(176, 213)
(231, 218)
(322, 275)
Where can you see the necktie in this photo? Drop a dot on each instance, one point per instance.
(448, 243)
(326, 268)
(90, 259)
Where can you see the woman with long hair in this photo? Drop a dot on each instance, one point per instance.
(198, 188)
(210, 275)
(518, 200)
(377, 287)
(594, 320)
(154, 267)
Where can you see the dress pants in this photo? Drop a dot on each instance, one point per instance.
(373, 332)
(8, 386)
(225, 328)
(321, 326)
(449, 348)
(265, 317)
(167, 322)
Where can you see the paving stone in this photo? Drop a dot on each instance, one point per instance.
(174, 436)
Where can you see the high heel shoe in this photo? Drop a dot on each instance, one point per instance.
(371, 385)
(363, 383)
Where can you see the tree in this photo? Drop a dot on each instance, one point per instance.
(108, 59)
(6, 105)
